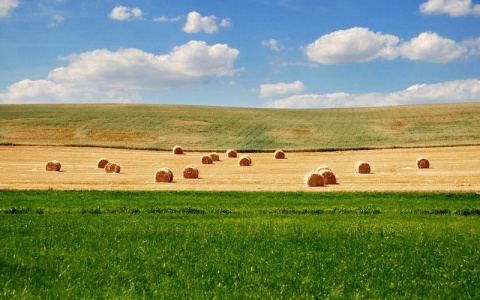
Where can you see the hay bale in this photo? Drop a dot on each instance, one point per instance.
(320, 168)
(231, 153)
(112, 167)
(190, 172)
(207, 160)
(279, 154)
(214, 156)
(101, 163)
(362, 167)
(328, 176)
(177, 150)
(313, 179)
(53, 165)
(244, 160)
(164, 175)
(423, 163)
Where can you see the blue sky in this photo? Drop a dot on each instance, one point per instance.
(248, 53)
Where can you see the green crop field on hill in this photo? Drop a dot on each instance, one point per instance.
(247, 129)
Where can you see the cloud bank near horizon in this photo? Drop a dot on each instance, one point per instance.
(445, 92)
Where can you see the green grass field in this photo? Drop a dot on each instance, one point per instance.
(206, 245)
(245, 129)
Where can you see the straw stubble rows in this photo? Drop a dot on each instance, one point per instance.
(451, 169)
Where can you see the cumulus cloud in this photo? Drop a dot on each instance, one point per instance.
(104, 75)
(353, 45)
(123, 13)
(196, 23)
(272, 44)
(431, 47)
(454, 8)
(281, 89)
(445, 92)
(473, 46)
(7, 5)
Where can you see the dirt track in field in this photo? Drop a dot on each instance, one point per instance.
(451, 169)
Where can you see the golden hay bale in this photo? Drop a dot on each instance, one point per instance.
(322, 167)
(362, 167)
(190, 172)
(423, 163)
(207, 160)
(53, 165)
(214, 156)
(313, 179)
(328, 176)
(231, 153)
(244, 160)
(279, 154)
(164, 175)
(101, 163)
(112, 167)
(177, 150)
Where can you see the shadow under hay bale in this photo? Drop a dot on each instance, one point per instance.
(112, 167)
(362, 168)
(313, 179)
(231, 153)
(207, 160)
(190, 172)
(328, 176)
(244, 161)
(53, 165)
(164, 175)
(423, 163)
(214, 156)
(101, 163)
(177, 150)
(279, 154)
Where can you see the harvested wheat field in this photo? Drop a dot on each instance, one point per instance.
(451, 169)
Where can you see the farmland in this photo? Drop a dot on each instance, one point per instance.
(239, 232)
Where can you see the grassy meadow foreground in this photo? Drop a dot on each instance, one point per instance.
(205, 245)
(252, 232)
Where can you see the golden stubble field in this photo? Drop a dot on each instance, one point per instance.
(451, 169)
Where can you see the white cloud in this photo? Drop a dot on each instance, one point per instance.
(7, 5)
(431, 47)
(273, 44)
(56, 19)
(446, 92)
(196, 23)
(281, 88)
(473, 46)
(165, 19)
(123, 13)
(454, 8)
(103, 75)
(353, 45)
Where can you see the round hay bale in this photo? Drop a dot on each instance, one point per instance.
(362, 167)
(231, 153)
(328, 176)
(190, 172)
(112, 167)
(244, 160)
(164, 175)
(101, 163)
(323, 167)
(207, 160)
(279, 154)
(423, 163)
(177, 150)
(53, 165)
(214, 156)
(313, 179)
